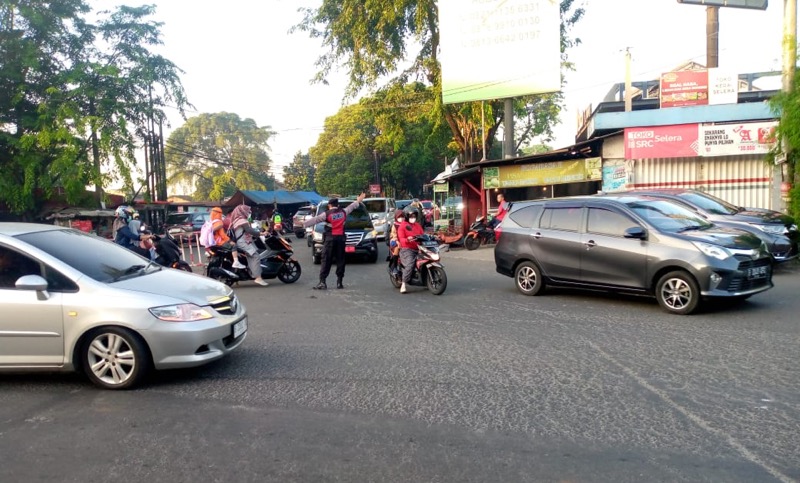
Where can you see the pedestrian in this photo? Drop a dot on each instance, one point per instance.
(243, 235)
(333, 239)
(408, 246)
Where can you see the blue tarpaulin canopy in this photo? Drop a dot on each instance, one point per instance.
(281, 197)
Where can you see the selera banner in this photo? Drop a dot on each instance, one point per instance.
(545, 174)
(679, 141)
(735, 139)
(519, 38)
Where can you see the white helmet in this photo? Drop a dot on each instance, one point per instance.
(123, 212)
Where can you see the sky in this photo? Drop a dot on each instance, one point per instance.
(237, 56)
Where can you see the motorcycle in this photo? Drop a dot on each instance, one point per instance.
(168, 254)
(428, 270)
(275, 256)
(480, 233)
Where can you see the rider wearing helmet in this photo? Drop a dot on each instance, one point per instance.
(406, 234)
(123, 234)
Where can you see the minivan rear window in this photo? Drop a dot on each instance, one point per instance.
(375, 206)
(526, 217)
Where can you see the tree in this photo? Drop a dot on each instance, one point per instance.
(75, 96)
(372, 39)
(220, 153)
(391, 138)
(299, 175)
(787, 106)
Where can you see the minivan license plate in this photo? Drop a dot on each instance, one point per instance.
(754, 273)
(239, 328)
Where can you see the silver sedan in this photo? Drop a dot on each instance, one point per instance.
(76, 302)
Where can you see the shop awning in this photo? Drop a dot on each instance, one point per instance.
(281, 197)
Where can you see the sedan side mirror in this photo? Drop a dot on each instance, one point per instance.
(636, 232)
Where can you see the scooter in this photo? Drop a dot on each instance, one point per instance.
(168, 254)
(275, 256)
(428, 270)
(480, 233)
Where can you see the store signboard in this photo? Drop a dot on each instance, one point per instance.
(735, 139)
(441, 188)
(699, 88)
(678, 141)
(545, 174)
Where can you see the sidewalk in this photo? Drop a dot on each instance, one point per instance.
(483, 253)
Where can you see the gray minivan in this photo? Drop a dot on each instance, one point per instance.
(630, 243)
(381, 210)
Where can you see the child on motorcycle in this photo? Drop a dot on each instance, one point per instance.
(394, 246)
(406, 234)
(221, 238)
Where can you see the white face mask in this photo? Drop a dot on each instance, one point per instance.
(412, 220)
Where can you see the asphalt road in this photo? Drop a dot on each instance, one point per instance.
(479, 384)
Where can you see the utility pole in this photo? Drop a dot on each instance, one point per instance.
(628, 81)
(787, 78)
(508, 128)
(712, 37)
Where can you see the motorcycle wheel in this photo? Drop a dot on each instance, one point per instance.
(289, 272)
(396, 281)
(472, 243)
(437, 280)
(182, 265)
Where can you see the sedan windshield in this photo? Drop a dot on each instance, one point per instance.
(95, 257)
(710, 204)
(668, 216)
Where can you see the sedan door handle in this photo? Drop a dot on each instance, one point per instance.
(590, 244)
(536, 235)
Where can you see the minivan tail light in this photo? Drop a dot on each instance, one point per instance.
(497, 232)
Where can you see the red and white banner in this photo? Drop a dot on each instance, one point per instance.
(734, 139)
(679, 141)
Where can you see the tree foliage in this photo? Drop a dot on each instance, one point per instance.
(299, 175)
(787, 106)
(74, 95)
(392, 139)
(371, 40)
(220, 153)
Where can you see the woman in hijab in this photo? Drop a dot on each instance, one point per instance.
(243, 235)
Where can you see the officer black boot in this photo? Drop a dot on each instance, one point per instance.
(321, 285)
(339, 283)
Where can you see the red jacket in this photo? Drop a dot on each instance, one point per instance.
(406, 230)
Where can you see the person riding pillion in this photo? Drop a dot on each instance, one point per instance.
(408, 246)
(333, 239)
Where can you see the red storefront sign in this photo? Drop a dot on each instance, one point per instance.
(684, 88)
(679, 141)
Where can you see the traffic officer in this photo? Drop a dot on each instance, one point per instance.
(333, 239)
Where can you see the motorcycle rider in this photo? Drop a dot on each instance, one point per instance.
(124, 236)
(502, 209)
(243, 233)
(221, 238)
(408, 246)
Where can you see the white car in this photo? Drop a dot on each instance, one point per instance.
(77, 302)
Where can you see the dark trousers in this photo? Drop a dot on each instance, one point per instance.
(332, 248)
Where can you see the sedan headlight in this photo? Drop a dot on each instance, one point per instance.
(181, 313)
(715, 251)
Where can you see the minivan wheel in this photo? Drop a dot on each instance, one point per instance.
(528, 278)
(677, 292)
(115, 358)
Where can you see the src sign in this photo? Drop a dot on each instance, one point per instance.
(677, 141)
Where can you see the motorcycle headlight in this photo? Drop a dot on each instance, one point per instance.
(715, 251)
(180, 313)
(773, 229)
(317, 236)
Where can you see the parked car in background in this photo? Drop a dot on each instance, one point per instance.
(630, 243)
(183, 225)
(452, 207)
(382, 211)
(359, 231)
(302, 214)
(77, 302)
(778, 230)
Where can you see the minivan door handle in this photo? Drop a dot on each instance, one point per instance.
(590, 244)
(536, 235)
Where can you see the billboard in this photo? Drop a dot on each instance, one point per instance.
(751, 4)
(735, 139)
(481, 42)
(543, 174)
(679, 141)
(699, 88)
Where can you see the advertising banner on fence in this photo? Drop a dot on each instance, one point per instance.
(734, 139)
(679, 141)
(543, 174)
